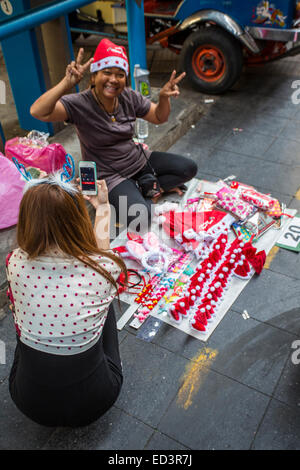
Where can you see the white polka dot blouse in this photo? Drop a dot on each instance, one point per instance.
(61, 304)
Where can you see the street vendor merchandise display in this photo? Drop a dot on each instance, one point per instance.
(211, 242)
(207, 286)
(187, 270)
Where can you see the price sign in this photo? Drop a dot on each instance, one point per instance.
(290, 239)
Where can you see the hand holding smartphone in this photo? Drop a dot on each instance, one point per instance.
(93, 190)
(88, 178)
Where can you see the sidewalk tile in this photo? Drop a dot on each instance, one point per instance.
(257, 124)
(245, 350)
(291, 131)
(283, 198)
(184, 148)
(271, 106)
(280, 429)
(250, 351)
(286, 262)
(253, 171)
(285, 151)
(161, 442)
(288, 386)
(8, 336)
(227, 113)
(115, 430)
(248, 143)
(269, 298)
(295, 204)
(207, 135)
(214, 412)
(255, 82)
(289, 320)
(178, 341)
(19, 432)
(151, 378)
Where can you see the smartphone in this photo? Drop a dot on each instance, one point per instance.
(88, 178)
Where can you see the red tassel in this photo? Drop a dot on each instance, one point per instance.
(181, 308)
(201, 317)
(249, 251)
(175, 314)
(258, 261)
(197, 325)
(242, 270)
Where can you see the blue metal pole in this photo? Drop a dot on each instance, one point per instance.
(2, 138)
(70, 44)
(136, 36)
(24, 69)
(36, 16)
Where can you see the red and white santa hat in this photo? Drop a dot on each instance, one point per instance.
(109, 54)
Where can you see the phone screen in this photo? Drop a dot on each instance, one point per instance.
(88, 182)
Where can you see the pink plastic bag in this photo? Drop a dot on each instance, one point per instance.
(11, 192)
(49, 158)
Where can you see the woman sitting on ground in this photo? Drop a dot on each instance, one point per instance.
(104, 116)
(67, 369)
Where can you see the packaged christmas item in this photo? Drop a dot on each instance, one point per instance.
(194, 230)
(35, 151)
(241, 231)
(231, 202)
(259, 223)
(276, 210)
(260, 200)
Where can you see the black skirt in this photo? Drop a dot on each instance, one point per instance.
(73, 391)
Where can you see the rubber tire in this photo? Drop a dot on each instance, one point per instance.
(231, 50)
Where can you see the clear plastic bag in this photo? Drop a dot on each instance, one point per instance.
(11, 192)
(35, 151)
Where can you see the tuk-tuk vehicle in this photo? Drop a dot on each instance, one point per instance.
(216, 38)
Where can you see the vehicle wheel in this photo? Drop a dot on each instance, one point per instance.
(212, 59)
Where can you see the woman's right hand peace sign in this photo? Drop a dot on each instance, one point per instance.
(171, 89)
(75, 70)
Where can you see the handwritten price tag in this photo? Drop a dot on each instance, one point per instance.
(290, 239)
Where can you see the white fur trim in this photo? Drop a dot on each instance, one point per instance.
(51, 179)
(107, 62)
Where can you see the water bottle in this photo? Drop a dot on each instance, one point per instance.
(142, 84)
(142, 129)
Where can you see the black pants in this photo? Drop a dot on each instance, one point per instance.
(172, 170)
(72, 390)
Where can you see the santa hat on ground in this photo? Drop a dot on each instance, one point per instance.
(109, 54)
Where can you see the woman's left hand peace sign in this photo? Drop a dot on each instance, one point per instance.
(171, 87)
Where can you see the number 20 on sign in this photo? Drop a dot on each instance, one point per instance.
(290, 239)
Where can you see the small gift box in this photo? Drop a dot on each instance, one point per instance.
(259, 223)
(230, 201)
(260, 200)
(276, 210)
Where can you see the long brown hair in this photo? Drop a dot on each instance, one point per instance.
(51, 217)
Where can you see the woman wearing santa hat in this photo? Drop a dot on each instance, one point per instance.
(104, 116)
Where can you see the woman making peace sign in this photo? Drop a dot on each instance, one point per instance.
(104, 116)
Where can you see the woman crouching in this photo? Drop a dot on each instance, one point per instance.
(63, 278)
